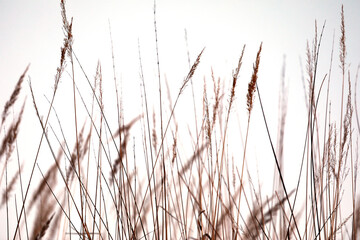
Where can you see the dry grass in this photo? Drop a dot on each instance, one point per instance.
(109, 187)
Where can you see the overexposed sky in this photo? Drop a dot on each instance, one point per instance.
(31, 33)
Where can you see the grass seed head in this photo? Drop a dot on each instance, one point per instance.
(252, 84)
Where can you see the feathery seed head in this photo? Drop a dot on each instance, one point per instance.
(252, 84)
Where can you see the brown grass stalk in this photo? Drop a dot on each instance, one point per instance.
(10, 187)
(13, 97)
(11, 135)
(342, 57)
(250, 101)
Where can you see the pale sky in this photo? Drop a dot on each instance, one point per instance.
(31, 33)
